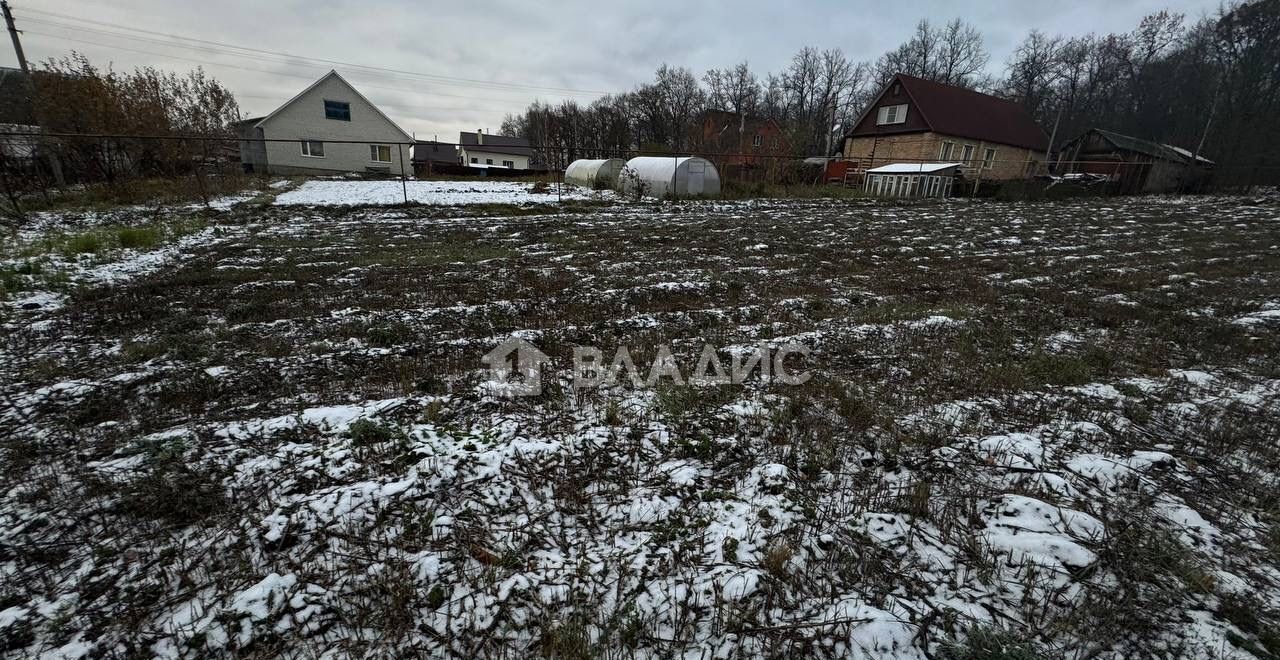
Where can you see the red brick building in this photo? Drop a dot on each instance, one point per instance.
(735, 141)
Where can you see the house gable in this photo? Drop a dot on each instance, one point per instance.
(894, 93)
(353, 135)
(308, 108)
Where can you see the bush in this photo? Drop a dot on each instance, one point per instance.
(83, 244)
(137, 237)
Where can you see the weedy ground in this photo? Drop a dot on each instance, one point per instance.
(1031, 430)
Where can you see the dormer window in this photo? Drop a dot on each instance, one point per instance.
(891, 114)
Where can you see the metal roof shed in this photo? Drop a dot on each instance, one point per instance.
(599, 174)
(654, 175)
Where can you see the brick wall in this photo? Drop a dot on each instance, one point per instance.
(1009, 163)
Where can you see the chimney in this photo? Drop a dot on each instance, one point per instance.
(479, 136)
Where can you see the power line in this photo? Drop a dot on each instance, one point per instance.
(246, 68)
(221, 52)
(186, 40)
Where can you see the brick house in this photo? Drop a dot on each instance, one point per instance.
(742, 145)
(914, 120)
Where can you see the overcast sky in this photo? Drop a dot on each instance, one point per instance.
(499, 55)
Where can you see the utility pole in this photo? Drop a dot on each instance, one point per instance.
(13, 34)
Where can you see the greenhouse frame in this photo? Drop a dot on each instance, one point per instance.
(597, 174)
(654, 176)
(911, 180)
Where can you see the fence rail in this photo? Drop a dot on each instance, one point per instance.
(34, 164)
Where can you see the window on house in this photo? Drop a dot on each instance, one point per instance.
(968, 153)
(988, 158)
(488, 161)
(892, 114)
(380, 153)
(509, 163)
(757, 141)
(340, 110)
(475, 160)
(313, 149)
(948, 150)
(897, 88)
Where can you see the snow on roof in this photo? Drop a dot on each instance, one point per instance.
(911, 168)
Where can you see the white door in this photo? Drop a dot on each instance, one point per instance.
(697, 170)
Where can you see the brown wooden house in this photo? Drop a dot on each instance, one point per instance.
(914, 120)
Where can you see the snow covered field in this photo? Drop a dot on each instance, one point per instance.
(1048, 428)
(441, 193)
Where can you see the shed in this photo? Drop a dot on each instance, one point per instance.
(600, 174)
(1135, 165)
(654, 175)
(911, 179)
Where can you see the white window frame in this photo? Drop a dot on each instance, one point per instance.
(475, 161)
(510, 164)
(488, 161)
(757, 141)
(373, 153)
(988, 158)
(891, 114)
(307, 149)
(968, 154)
(947, 151)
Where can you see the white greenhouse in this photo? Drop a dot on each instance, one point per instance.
(654, 175)
(912, 179)
(598, 174)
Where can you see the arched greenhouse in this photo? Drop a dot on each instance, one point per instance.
(653, 176)
(598, 174)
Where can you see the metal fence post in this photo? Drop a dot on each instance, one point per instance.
(404, 186)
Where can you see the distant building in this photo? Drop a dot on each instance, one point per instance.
(918, 120)
(428, 154)
(1132, 164)
(329, 127)
(15, 98)
(744, 140)
(481, 150)
(17, 116)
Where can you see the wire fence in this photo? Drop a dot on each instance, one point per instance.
(37, 167)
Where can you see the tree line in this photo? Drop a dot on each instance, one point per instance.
(1210, 85)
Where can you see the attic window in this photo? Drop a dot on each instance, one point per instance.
(897, 89)
(892, 114)
(340, 110)
(757, 141)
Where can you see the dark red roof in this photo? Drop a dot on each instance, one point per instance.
(961, 112)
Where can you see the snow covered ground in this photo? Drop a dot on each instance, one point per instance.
(1046, 428)
(440, 193)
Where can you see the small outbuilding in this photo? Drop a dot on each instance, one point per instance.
(1134, 165)
(911, 179)
(654, 176)
(598, 174)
